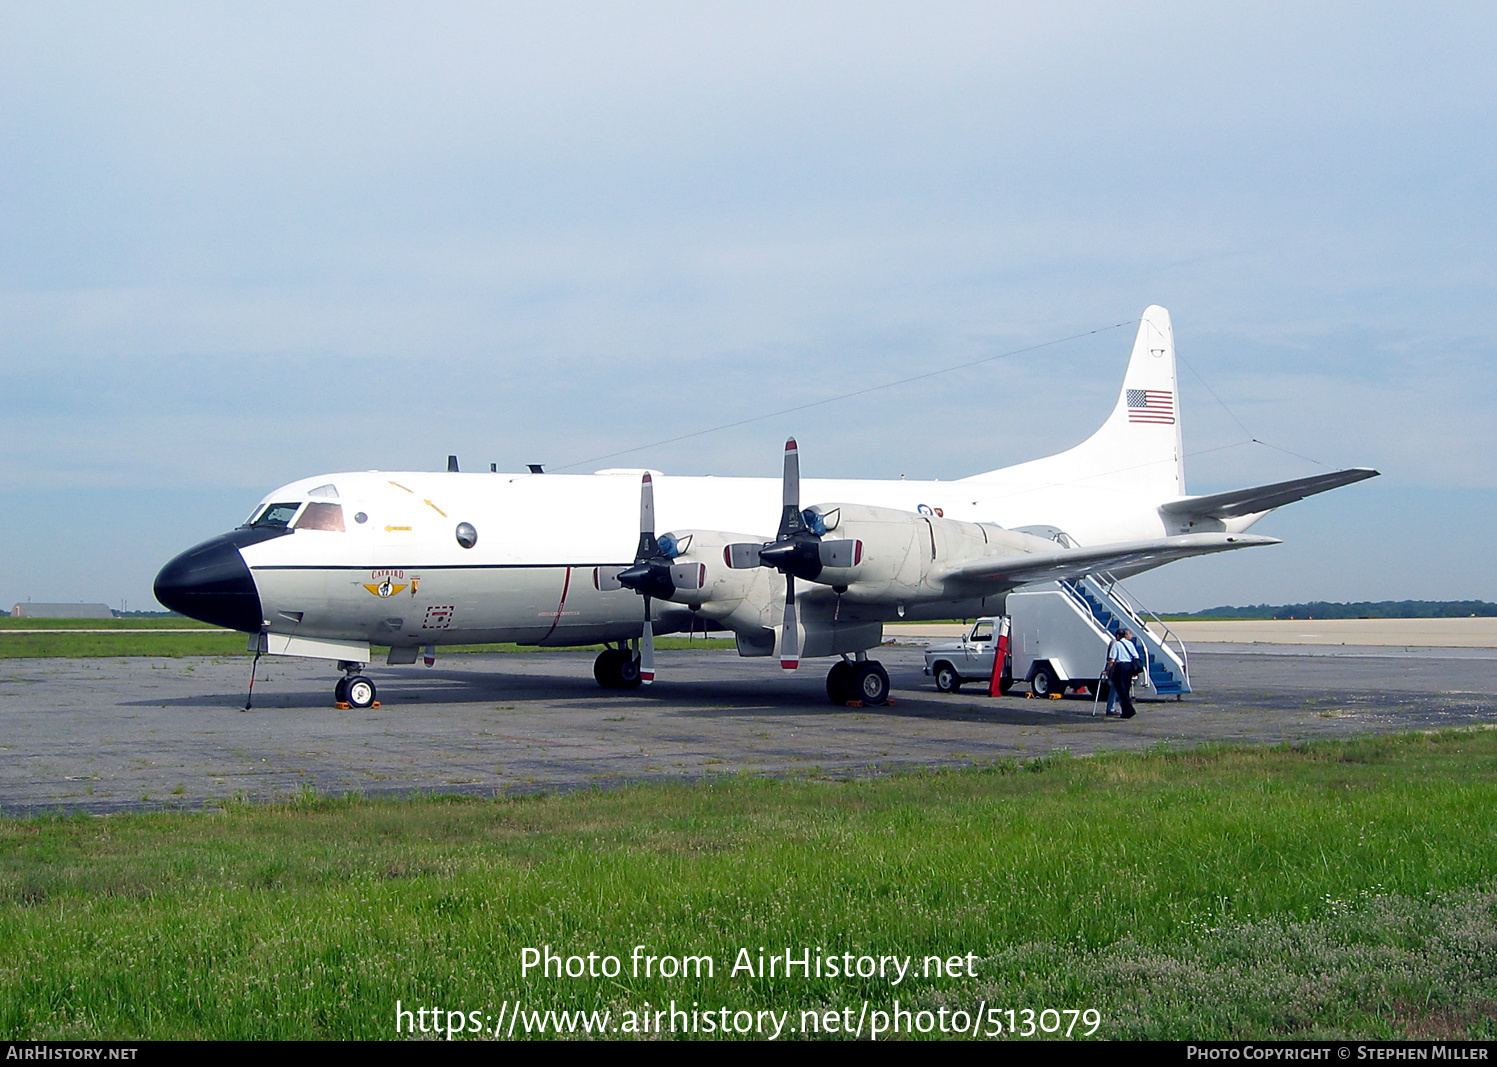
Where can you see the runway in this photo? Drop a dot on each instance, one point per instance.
(110, 735)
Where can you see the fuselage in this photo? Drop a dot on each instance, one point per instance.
(379, 557)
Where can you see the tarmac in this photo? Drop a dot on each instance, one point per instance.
(106, 735)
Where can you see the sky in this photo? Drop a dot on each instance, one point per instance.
(242, 244)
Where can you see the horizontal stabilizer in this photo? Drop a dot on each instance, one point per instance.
(1259, 498)
(1135, 556)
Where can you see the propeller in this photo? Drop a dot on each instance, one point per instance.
(797, 551)
(653, 573)
(650, 576)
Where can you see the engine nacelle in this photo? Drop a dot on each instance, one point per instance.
(741, 600)
(906, 557)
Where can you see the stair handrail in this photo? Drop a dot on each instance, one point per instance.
(1116, 590)
(1069, 585)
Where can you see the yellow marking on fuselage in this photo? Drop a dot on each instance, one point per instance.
(438, 510)
(397, 527)
(397, 485)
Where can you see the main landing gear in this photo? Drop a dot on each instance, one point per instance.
(353, 689)
(617, 668)
(859, 680)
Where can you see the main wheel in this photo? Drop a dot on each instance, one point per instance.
(947, 680)
(870, 684)
(340, 691)
(1044, 681)
(605, 668)
(839, 682)
(615, 668)
(360, 692)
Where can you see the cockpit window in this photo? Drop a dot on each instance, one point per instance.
(276, 516)
(321, 517)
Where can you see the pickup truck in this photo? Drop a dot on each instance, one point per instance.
(968, 660)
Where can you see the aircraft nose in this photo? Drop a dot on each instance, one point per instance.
(212, 583)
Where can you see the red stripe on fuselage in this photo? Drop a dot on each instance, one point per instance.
(566, 585)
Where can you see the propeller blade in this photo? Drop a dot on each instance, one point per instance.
(647, 649)
(790, 520)
(792, 473)
(790, 634)
(647, 544)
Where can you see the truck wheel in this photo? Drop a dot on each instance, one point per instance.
(1044, 681)
(947, 680)
(1005, 684)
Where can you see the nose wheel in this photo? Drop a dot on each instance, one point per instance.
(353, 689)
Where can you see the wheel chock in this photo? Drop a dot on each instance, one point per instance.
(1054, 696)
(342, 705)
(855, 704)
(375, 704)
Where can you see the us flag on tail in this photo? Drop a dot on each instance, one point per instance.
(1151, 405)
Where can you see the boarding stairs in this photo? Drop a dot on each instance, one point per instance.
(1102, 598)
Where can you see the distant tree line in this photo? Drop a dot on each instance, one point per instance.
(1362, 609)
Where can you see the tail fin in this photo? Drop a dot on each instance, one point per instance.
(1138, 448)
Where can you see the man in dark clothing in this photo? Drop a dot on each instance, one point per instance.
(1122, 659)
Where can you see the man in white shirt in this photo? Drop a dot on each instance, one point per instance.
(1122, 658)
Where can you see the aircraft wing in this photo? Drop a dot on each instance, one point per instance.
(1238, 502)
(1134, 556)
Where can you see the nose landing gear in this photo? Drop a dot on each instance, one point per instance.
(353, 689)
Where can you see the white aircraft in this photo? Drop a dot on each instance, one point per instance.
(328, 566)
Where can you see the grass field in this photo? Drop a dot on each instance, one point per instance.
(1344, 889)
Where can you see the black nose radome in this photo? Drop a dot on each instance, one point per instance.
(211, 582)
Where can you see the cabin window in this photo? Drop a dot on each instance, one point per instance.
(321, 517)
(276, 516)
(983, 631)
(467, 536)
